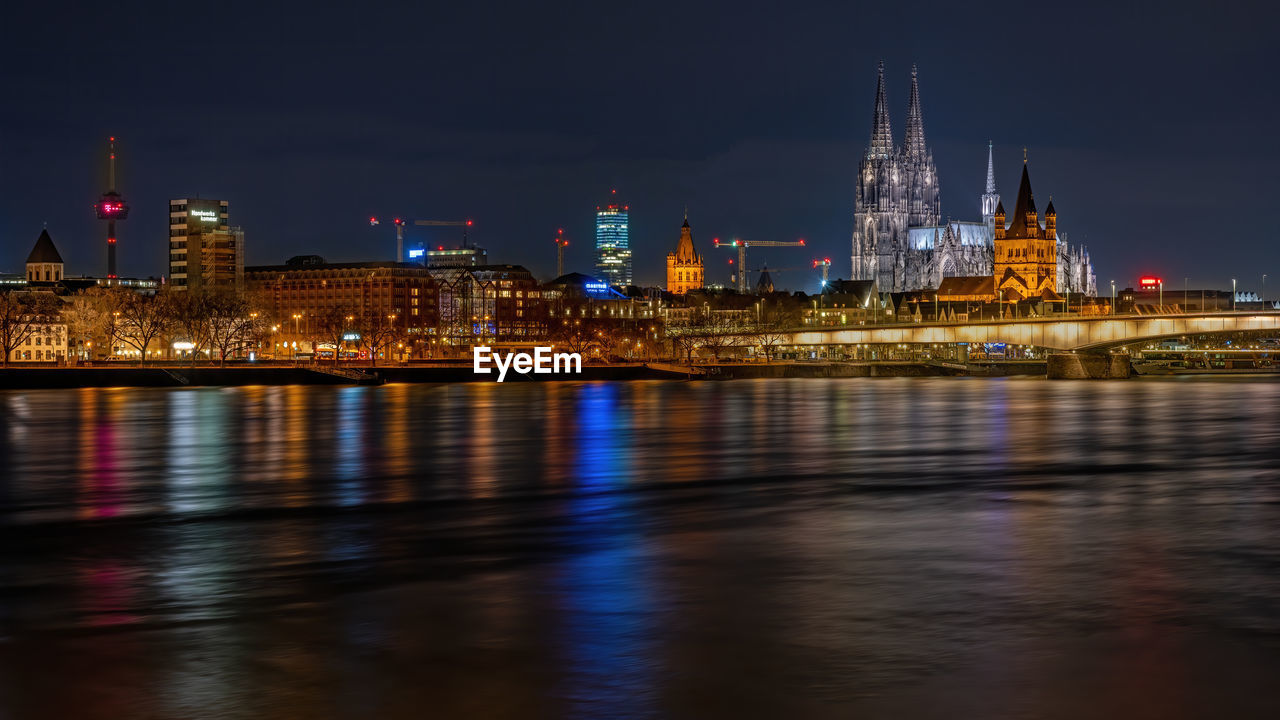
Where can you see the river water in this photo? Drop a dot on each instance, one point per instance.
(898, 548)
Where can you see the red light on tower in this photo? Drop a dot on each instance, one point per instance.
(373, 220)
(468, 223)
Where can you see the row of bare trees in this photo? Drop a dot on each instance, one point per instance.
(715, 332)
(223, 324)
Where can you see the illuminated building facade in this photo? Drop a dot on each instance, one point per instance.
(488, 303)
(899, 238)
(613, 241)
(204, 251)
(684, 266)
(46, 342)
(455, 257)
(307, 288)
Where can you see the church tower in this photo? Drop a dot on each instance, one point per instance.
(990, 198)
(684, 266)
(921, 175)
(1026, 262)
(44, 264)
(880, 203)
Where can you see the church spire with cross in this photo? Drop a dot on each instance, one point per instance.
(991, 198)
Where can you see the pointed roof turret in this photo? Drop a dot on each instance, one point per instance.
(881, 133)
(914, 142)
(685, 251)
(44, 250)
(764, 285)
(1024, 208)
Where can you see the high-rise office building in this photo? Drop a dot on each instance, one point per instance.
(204, 251)
(613, 243)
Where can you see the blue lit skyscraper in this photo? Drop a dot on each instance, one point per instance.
(613, 242)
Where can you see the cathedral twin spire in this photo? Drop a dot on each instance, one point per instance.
(881, 133)
(913, 145)
(881, 145)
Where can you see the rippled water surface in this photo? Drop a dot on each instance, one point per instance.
(783, 548)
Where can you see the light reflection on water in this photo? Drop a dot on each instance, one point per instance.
(736, 549)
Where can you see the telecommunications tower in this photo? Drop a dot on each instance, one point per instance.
(111, 207)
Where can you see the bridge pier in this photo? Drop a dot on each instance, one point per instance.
(1092, 366)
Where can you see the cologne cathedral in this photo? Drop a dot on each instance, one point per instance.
(899, 237)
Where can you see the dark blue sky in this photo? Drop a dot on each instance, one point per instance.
(1153, 129)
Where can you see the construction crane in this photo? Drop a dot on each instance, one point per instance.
(400, 223)
(561, 243)
(742, 245)
(824, 263)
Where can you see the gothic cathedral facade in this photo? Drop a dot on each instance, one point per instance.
(899, 238)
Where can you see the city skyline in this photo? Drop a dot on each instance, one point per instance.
(764, 149)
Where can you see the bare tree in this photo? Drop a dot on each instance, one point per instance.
(141, 319)
(88, 317)
(332, 326)
(768, 336)
(191, 310)
(233, 324)
(24, 315)
(717, 333)
(580, 335)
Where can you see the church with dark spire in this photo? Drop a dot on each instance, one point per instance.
(900, 239)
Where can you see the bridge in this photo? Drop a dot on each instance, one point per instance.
(1084, 334)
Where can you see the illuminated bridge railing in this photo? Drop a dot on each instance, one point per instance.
(1092, 333)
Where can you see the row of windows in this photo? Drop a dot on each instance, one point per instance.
(54, 276)
(40, 339)
(36, 355)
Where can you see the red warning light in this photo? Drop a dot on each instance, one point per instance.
(373, 220)
(398, 221)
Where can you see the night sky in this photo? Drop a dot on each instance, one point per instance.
(1153, 129)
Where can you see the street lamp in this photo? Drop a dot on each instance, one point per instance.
(1233, 294)
(1113, 297)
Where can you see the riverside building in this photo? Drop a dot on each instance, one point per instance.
(204, 251)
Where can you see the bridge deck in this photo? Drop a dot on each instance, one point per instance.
(1086, 333)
